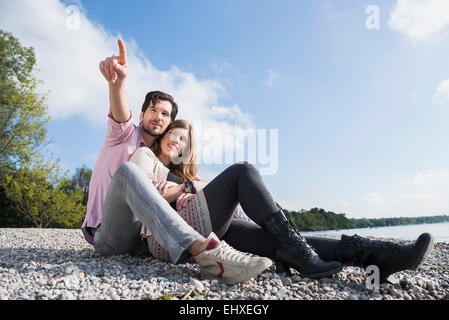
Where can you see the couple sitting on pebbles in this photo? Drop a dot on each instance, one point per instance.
(138, 191)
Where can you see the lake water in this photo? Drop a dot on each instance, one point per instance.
(440, 231)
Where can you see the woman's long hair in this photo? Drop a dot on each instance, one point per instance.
(186, 166)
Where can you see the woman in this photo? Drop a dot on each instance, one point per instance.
(210, 207)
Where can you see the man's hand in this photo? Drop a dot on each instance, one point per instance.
(183, 200)
(115, 68)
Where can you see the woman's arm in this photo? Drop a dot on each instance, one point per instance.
(173, 192)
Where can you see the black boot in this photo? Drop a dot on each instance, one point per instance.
(389, 256)
(282, 268)
(294, 251)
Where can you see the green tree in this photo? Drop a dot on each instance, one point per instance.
(38, 196)
(81, 180)
(23, 118)
(33, 191)
(9, 217)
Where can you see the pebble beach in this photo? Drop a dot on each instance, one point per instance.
(58, 264)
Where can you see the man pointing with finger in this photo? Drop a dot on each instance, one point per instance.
(122, 199)
(123, 137)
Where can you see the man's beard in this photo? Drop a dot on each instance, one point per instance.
(149, 132)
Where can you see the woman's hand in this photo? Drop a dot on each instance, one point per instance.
(162, 186)
(183, 199)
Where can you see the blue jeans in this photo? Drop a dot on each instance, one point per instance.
(131, 200)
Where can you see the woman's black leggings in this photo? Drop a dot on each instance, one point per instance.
(242, 183)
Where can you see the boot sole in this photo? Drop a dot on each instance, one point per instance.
(426, 248)
(205, 275)
(425, 241)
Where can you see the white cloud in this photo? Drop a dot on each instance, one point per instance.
(423, 194)
(420, 194)
(442, 93)
(228, 73)
(274, 77)
(232, 113)
(419, 19)
(68, 61)
(435, 182)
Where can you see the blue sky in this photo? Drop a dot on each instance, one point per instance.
(361, 114)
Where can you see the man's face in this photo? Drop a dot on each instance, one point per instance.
(156, 118)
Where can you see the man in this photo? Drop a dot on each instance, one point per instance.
(122, 198)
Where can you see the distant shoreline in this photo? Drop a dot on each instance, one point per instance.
(317, 219)
(410, 232)
(399, 225)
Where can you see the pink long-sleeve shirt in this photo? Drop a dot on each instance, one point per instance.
(122, 139)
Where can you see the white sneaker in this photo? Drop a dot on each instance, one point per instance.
(226, 264)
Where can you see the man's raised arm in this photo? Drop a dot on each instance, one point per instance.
(115, 70)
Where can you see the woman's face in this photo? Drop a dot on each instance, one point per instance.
(174, 142)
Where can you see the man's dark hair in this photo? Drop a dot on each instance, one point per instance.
(157, 96)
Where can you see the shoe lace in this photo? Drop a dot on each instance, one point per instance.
(309, 251)
(365, 242)
(228, 253)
